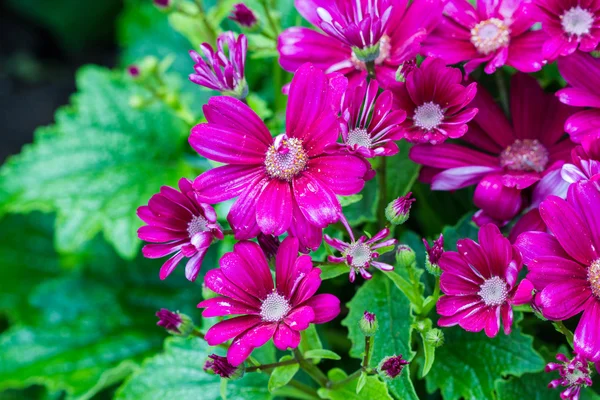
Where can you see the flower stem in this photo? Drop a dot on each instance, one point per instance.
(312, 370)
(270, 19)
(271, 366)
(371, 69)
(431, 302)
(560, 326)
(502, 91)
(367, 356)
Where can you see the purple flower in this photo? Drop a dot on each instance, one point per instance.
(178, 223)
(565, 266)
(360, 254)
(574, 375)
(582, 73)
(501, 158)
(398, 211)
(435, 102)
(243, 15)
(585, 164)
(480, 283)
(223, 69)
(391, 367)
(384, 31)
(220, 366)
(265, 311)
(495, 33)
(569, 24)
(174, 322)
(371, 123)
(435, 251)
(162, 3)
(287, 183)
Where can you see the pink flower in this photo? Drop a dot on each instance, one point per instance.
(383, 31)
(569, 24)
(436, 103)
(434, 251)
(287, 183)
(223, 69)
(565, 267)
(243, 15)
(220, 366)
(582, 73)
(178, 223)
(265, 311)
(495, 33)
(480, 283)
(585, 164)
(391, 367)
(575, 374)
(501, 159)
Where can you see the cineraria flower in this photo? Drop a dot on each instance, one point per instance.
(287, 183)
(495, 33)
(503, 160)
(384, 32)
(178, 222)
(480, 283)
(243, 15)
(574, 375)
(585, 165)
(371, 122)
(570, 24)
(397, 211)
(435, 102)
(582, 73)
(360, 254)
(265, 311)
(174, 322)
(565, 266)
(223, 69)
(434, 253)
(391, 367)
(220, 366)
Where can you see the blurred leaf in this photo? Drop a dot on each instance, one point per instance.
(177, 373)
(393, 337)
(401, 172)
(322, 353)
(330, 271)
(310, 341)
(260, 107)
(100, 162)
(373, 388)
(465, 228)
(364, 210)
(281, 376)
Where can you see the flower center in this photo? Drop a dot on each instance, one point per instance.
(385, 46)
(196, 225)
(525, 155)
(490, 35)
(577, 21)
(493, 291)
(594, 277)
(575, 375)
(428, 116)
(286, 158)
(274, 308)
(359, 137)
(360, 253)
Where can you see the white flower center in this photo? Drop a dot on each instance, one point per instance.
(360, 253)
(285, 159)
(274, 308)
(196, 225)
(359, 137)
(525, 155)
(575, 377)
(577, 21)
(594, 277)
(490, 35)
(493, 291)
(428, 116)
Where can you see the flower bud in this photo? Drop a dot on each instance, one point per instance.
(404, 69)
(398, 211)
(391, 367)
(368, 324)
(220, 366)
(435, 337)
(243, 15)
(174, 322)
(162, 4)
(405, 256)
(133, 71)
(269, 244)
(434, 253)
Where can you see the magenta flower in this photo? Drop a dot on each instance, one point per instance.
(565, 267)
(434, 252)
(569, 24)
(371, 122)
(435, 102)
(391, 367)
(243, 15)
(220, 366)
(480, 283)
(397, 211)
(503, 160)
(287, 183)
(360, 254)
(178, 223)
(575, 374)
(223, 69)
(265, 311)
(585, 164)
(582, 73)
(385, 32)
(495, 33)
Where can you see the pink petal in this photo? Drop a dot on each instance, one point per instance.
(449, 155)
(161, 250)
(497, 248)
(565, 299)
(223, 306)
(530, 221)
(309, 235)
(284, 264)
(447, 306)
(242, 216)
(157, 234)
(307, 287)
(525, 51)
(587, 341)
(545, 270)
(325, 306)
(524, 293)
(226, 182)
(585, 197)
(169, 265)
(244, 344)
(470, 264)
(538, 244)
(343, 173)
(300, 318)
(286, 338)
(316, 201)
(497, 200)
(274, 207)
(216, 281)
(228, 329)
(461, 177)
(250, 275)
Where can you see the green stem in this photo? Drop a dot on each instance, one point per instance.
(381, 180)
(367, 356)
(312, 370)
(270, 19)
(431, 301)
(560, 326)
(270, 366)
(304, 388)
(371, 69)
(502, 90)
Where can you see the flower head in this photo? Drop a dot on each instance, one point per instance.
(222, 69)
(178, 223)
(480, 283)
(243, 15)
(162, 4)
(405, 255)
(133, 71)
(574, 375)
(281, 311)
(585, 164)
(434, 253)
(565, 266)
(174, 322)
(495, 33)
(219, 365)
(391, 367)
(287, 183)
(436, 103)
(368, 324)
(398, 211)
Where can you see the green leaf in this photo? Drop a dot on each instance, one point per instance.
(401, 172)
(330, 271)
(380, 296)
(310, 340)
(177, 373)
(100, 162)
(465, 228)
(322, 353)
(469, 364)
(373, 388)
(364, 210)
(347, 200)
(282, 375)
(362, 381)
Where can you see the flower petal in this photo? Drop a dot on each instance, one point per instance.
(230, 328)
(274, 207)
(587, 339)
(300, 318)
(316, 201)
(223, 306)
(286, 338)
(244, 344)
(325, 306)
(226, 182)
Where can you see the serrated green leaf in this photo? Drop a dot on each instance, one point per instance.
(177, 373)
(322, 353)
(380, 296)
(372, 389)
(282, 375)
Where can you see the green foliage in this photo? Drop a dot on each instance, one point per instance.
(373, 388)
(281, 376)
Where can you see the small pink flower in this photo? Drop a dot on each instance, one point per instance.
(496, 33)
(575, 374)
(243, 15)
(585, 164)
(434, 251)
(178, 223)
(435, 102)
(266, 311)
(480, 283)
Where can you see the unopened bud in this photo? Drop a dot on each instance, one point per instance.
(220, 366)
(405, 256)
(391, 367)
(162, 4)
(133, 71)
(174, 322)
(243, 15)
(404, 70)
(269, 244)
(368, 324)
(398, 211)
(434, 253)
(435, 337)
